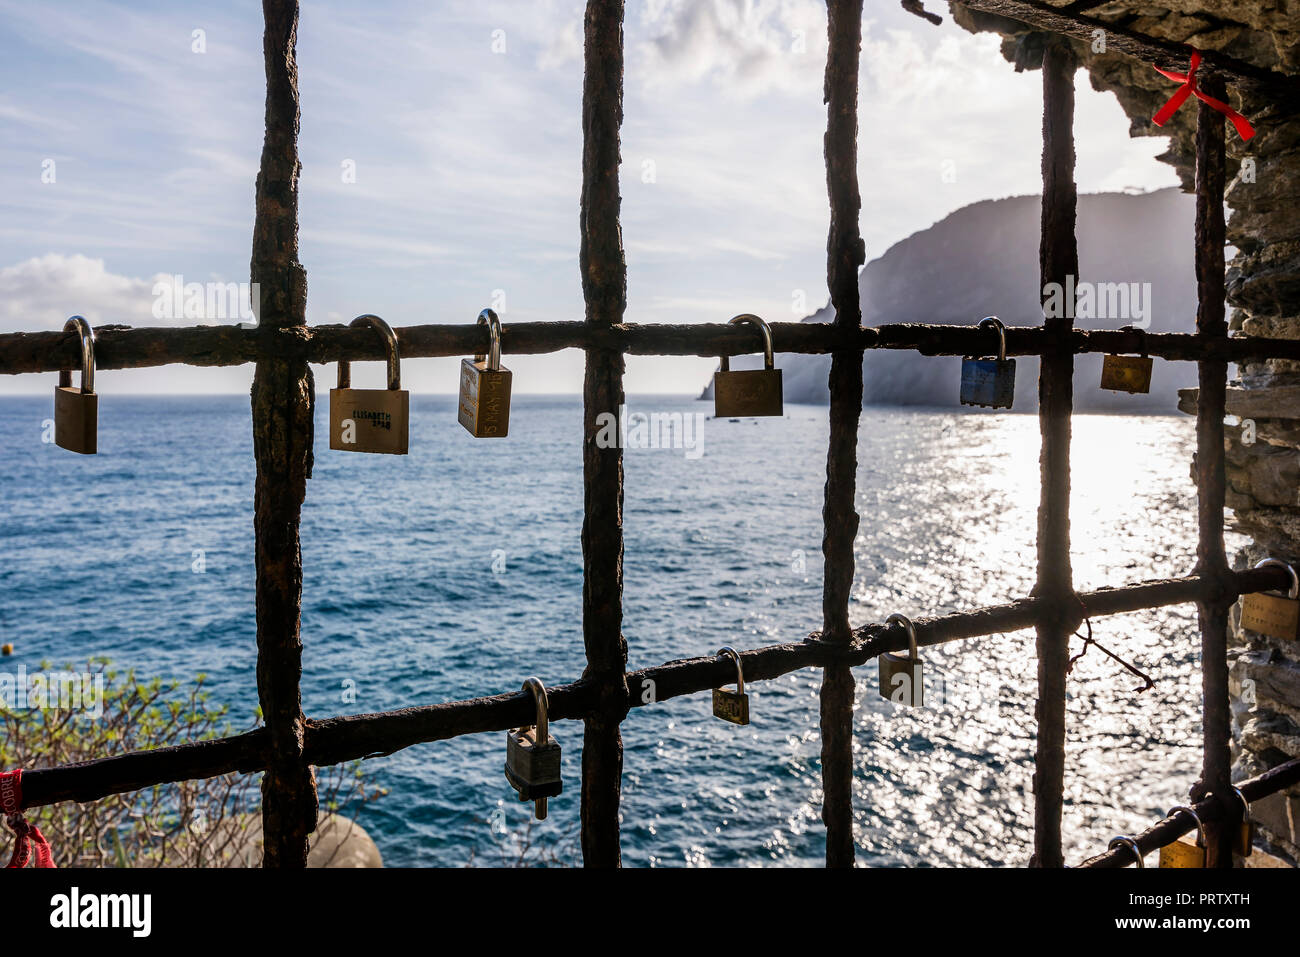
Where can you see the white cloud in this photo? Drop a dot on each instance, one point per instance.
(41, 293)
(563, 47)
(746, 47)
(468, 162)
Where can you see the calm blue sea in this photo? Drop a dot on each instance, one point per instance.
(402, 602)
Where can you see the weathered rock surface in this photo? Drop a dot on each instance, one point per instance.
(337, 842)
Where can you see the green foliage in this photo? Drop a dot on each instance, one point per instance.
(205, 823)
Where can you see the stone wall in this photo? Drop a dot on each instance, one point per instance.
(1263, 448)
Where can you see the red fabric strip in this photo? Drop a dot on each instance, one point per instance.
(27, 836)
(1189, 87)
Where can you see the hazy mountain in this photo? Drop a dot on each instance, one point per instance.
(983, 260)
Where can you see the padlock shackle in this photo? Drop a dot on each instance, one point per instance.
(494, 340)
(1200, 828)
(1294, 591)
(1245, 805)
(87, 336)
(390, 344)
(1128, 842)
(539, 700)
(912, 653)
(996, 323)
(734, 655)
(769, 361)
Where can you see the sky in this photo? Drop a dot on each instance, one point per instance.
(441, 147)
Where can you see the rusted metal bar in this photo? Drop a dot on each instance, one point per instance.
(136, 770)
(283, 399)
(1211, 482)
(845, 254)
(604, 287)
(1278, 87)
(1034, 340)
(333, 740)
(1210, 810)
(120, 347)
(1058, 259)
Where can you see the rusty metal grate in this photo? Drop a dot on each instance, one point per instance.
(290, 744)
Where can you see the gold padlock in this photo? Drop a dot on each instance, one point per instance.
(901, 679)
(76, 409)
(1131, 844)
(484, 407)
(748, 391)
(728, 705)
(1128, 373)
(371, 420)
(1182, 853)
(1244, 841)
(1273, 615)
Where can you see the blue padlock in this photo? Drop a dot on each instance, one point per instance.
(989, 382)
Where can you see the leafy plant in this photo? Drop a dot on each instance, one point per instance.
(202, 823)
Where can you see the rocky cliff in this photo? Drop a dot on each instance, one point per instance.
(983, 260)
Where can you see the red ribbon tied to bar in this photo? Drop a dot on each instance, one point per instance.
(1188, 81)
(27, 836)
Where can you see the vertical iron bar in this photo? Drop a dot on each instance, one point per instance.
(283, 400)
(604, 287)
(1058, 263)
(1211, 558)
(845, 253)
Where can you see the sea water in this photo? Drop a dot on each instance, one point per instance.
(456, 571)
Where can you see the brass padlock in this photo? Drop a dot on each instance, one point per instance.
(748, 391)
(901, 678)
(485, 387)
(732, 706)
(533, 756)
(989, 382)
(371, 420)
(1131, 844)
(1183, 853)
(76, 408)
(1128, 373)
(1277, 616)
(1244, 839)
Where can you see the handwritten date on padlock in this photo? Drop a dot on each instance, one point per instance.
(484, 399)
(1272, 615)
(1126, 374)
(989, 383)
(731, 706)
(370, 420)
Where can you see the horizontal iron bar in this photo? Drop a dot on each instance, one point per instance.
(936, 340)
(334, 740)
(1169, 829)
(135, 770)
(121, 347)
(1157, 51)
